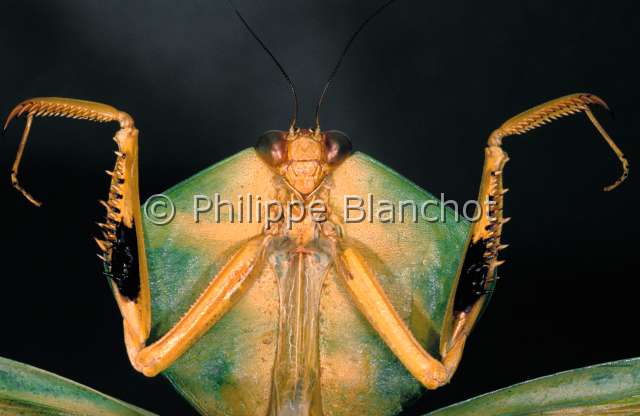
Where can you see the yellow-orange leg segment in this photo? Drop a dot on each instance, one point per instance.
(478, 270)
(221, 294)
(123, 218)
(58, 107)
(127, 271)
(481, 260)
(122, 244)
(374, 304)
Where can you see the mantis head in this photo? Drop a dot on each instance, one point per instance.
(303, 157)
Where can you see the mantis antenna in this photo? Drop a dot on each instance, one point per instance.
(275, 60)
(344, 53)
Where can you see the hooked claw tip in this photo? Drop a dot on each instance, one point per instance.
(606, 107)
(6, 125)
(618, 182)
(614, 185)
(34, 201)
(10, 117)
(27, 195)
(594, 99)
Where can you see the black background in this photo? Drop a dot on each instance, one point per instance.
(420, 91)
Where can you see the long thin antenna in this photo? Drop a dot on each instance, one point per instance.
(275, 60)
(344, 53)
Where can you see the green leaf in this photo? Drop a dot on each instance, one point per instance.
(604, 389)
(28, 391)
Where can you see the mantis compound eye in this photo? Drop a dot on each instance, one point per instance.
(272, 147)
(337, 145)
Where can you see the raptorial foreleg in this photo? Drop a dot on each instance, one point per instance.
(121, 243)
(478, 272)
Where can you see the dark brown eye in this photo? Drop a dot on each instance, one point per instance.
(272, 147)
(338, 146)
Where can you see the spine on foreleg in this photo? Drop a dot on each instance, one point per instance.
(481, 260)
(478, 273)
(119, 246)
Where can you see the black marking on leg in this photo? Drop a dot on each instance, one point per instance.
(482, 256)
(473, 277)
(122, 266)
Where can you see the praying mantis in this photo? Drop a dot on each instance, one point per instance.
(285, 302)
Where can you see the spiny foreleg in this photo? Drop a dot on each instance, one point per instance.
(478, 272)
(121, 241)
(122, 245)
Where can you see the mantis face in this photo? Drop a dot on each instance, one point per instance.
(303, 157)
